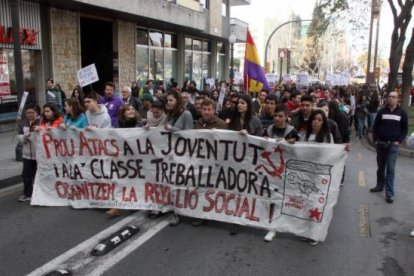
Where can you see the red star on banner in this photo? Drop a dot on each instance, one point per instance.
(278, 149)
(315, 214)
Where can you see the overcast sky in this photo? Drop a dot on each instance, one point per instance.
(260, 9)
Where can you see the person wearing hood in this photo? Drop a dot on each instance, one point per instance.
(96, 114)
(112, 103)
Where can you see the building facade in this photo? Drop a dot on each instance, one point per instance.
(126, 40)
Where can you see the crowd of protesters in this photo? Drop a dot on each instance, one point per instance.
(317, 115)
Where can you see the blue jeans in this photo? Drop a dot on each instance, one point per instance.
(371, 119)
(361, 125)
(386, 160)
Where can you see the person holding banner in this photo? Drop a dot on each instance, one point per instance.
(29, 152)
(75, 116)
(177, 119)
(280, 130)
(245, 122)
(51, 117)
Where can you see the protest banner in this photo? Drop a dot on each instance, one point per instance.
(87, 75)
(22, 103)
(302, 81)
(211, 82)
(217, 175)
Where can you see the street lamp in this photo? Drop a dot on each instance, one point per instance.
(281, 56)
(232, 40)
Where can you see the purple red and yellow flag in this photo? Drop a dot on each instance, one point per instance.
(254, 76)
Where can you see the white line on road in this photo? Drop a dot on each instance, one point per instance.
(11, 190)
(84, 246)
(361, 179)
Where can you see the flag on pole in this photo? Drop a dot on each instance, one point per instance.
(254, 76)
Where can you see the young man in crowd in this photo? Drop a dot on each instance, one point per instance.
(266, 117)
(112, 103)
(293, 103)
(300, 117)
(147, 100)
(55, 95)
(208, 120)
(97, 114)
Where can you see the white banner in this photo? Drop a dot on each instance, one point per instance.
(22, 103)
(87, 75)
(218, 175)
(4, 75)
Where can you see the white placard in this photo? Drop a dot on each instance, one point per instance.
(87, 75)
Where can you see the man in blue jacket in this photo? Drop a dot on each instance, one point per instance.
(389, 131)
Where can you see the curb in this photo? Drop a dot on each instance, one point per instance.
(4, 183)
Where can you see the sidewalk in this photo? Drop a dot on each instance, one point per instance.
(10, 169)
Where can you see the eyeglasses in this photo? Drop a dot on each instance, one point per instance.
(392, 96)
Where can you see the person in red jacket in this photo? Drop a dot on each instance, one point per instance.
(51, 117)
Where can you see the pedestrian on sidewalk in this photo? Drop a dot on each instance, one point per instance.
(29, 152)
(389, 131)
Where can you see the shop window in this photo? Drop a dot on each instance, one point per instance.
(155, 39)
(142, 65)
(8, 92)
(188, 43)
(197, 45)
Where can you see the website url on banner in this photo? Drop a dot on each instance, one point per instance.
(123, 205)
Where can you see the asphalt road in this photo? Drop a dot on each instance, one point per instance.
(367, 236)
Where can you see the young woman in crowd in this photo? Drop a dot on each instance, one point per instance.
(29, 152)
(243, 119)
(177, 119)
(361, 113)
(78, 94)
(75, 116)
(245, 122)
(128, 117)
(317, 131)
(51, 117)
(156, 116)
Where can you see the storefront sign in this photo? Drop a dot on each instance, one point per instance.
(87, 75)
(27, 36)
(4, 75)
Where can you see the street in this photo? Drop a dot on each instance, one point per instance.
(367, 236)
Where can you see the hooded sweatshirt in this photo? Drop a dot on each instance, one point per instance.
(29, 151)
(100, 118)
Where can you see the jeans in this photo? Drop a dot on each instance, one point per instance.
(386, 160)
(28, 176)
(361, 126)
(371, 119)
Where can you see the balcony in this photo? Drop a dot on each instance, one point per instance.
(239, 2)
(239, 29)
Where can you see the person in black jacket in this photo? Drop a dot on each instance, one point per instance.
(390, 129)
(340, 118)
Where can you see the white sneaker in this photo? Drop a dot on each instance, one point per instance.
(269, 236)
(313, 242)
(412, 233)
(24, 198)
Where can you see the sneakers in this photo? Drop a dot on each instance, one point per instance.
(154, 214)
(24, 198)
(174, 220)
(313, 242)
(376, 189)
(412, 233)
(113, 212)
(269, 236)
(197, 222)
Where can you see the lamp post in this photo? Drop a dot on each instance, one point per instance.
(232, 40)
(281, 56)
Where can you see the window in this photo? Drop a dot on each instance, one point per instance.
(156, 56)
(205, 4)
(220, 61)
(8, 93)
(197, 60)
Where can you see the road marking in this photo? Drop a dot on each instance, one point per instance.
(359, 157)
(361, 179)
(364, 225)
(83, 248)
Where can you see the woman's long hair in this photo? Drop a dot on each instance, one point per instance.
(324, 132)
(179, 107)
(81, 96)
(235, 121)
(125, 122)
(55, 110)
(77, 108)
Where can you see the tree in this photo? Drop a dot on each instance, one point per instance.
(401, 21)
